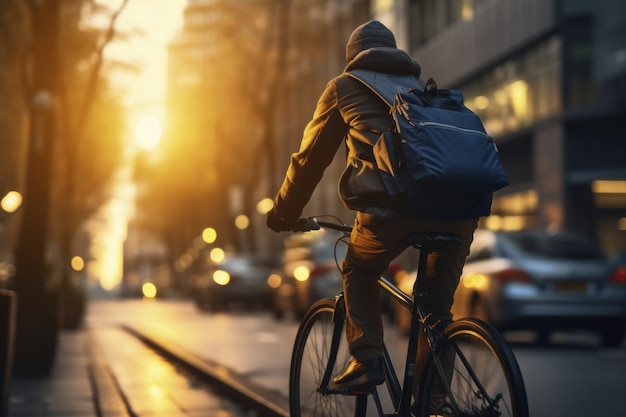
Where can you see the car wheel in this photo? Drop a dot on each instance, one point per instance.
(478, 309)
(278, 314)
(299, 314)
(543, 337)
(200, 304)
(613, 333)
(214, 304)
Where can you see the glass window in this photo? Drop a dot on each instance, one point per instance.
(430, 17)
(457, 10)
(518, 92)
(423, 15)
(578, 57)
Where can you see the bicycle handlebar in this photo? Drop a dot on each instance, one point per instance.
(307, 224)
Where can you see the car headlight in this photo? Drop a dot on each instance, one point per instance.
(149, 290)
(477, 281)
(221, 277)
(301, 273)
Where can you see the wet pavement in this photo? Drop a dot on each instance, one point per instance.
(104, 371)
(161, 358)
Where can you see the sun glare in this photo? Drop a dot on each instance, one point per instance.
(148, 132)
(148, 27)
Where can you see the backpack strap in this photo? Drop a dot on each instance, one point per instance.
(385, 86)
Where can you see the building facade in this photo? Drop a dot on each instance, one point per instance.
(548, 78)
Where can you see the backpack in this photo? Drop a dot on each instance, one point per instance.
(436, 161)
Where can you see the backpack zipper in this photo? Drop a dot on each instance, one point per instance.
(461, 129)
(446, 126)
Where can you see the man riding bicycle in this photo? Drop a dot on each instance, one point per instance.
(348, 111)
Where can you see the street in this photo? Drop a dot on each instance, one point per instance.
(573, 376)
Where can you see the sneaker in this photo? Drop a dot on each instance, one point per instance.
(360, 375)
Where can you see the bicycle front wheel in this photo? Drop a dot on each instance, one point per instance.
(476, 374)
(318, 341)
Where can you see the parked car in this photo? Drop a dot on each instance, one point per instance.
(308, 272)
(619, 261)
(238, 280)
(541, 281)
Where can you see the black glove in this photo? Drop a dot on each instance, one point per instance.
(276, 222)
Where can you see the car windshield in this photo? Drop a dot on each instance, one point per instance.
(560, 246)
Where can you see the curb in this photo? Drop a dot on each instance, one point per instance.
(109, 399)
(266, 402)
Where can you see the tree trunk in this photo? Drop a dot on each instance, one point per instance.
(38, 306)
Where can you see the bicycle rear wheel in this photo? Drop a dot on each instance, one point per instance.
(318, 340)
(481, 371)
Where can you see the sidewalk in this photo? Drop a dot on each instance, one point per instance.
(105, 372)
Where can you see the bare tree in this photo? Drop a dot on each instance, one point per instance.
(242, 88)
(56, 146)
(84, 149)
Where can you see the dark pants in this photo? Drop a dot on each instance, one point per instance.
(374, 243)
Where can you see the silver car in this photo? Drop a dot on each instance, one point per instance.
(238, 280)
(543, 281)
(308, 272)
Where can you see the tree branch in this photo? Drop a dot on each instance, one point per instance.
(93, 78)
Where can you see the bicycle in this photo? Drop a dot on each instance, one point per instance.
(471, 371)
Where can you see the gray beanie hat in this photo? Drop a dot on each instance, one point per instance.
(369, 35)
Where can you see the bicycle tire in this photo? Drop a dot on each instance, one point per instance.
(495, 368)
(309, 361)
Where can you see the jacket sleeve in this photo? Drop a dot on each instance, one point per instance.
(321, 139)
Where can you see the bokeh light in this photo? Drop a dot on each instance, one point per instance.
(264, 205)
(149, 290)
(11, 201)
(217, 255)
(78, 263)
(209, 235)
(221, 277)
(242, 222)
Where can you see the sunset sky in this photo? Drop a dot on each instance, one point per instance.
(159, 20)
(144, 94)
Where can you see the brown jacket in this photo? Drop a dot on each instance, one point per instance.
(346, 111)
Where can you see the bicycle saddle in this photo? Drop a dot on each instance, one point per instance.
(428, 240)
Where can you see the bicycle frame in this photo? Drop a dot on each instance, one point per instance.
(400, 394)
(438, 369)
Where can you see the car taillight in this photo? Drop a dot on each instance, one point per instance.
(512, 275)
(619, 275)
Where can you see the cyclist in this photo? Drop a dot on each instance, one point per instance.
(348, 111)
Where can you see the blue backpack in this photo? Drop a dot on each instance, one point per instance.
(437, 161)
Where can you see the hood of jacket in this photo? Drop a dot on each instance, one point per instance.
(386, 60)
